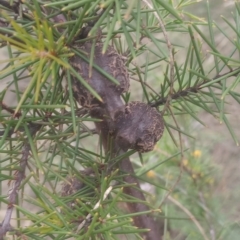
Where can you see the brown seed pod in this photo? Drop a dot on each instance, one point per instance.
(112, 63)
(138, 127)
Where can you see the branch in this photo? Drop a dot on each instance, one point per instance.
(113, 64)
(176, 95)
(20, 175)
(125, 165)
(194, 89)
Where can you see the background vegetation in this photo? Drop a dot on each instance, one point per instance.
(191, 175)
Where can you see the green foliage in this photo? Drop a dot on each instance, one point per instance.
(38, 48)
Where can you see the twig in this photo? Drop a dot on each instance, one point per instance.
(211, 230)
(171, 56)
(201, 230)
(97, 205)
(181, 163)
(20, 175)
(194, 89)
(8, 109)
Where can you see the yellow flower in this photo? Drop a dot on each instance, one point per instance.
(210, 181)
(175, 196)
(151, 174)
(197, 153)
(194, 176)
(185, 162)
